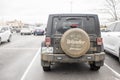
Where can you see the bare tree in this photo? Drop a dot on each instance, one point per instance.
(112, 8)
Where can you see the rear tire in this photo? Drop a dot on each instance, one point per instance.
(119, 56)
(0, 41)
(9, 40)
(46, 68)
(94, 67)
(35, 34)
(46, 65)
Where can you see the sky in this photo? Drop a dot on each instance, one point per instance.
(37, 11)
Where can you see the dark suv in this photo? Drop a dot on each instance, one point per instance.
(72, 38)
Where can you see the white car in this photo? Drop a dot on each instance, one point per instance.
(111, 39)
(32, 28)
(5, 34)
(25, 30)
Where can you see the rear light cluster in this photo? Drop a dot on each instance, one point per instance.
(99, 41)
(48, 41)
(74, 25)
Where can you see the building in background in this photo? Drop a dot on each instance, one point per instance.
(15, 24)
(2, 23)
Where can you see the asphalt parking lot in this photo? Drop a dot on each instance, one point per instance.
(20, 60)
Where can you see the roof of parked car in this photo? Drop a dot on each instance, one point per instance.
(73, 14)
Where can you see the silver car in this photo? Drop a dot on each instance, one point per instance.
(5, 34)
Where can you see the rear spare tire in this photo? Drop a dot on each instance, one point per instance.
(75, 42)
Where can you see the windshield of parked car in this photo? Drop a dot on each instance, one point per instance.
(40, 28)
(117, 27)
(2, 29)
(114, 27)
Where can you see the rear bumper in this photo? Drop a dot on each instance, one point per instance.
(63, 58)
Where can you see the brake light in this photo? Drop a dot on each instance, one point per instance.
(48, 41)
(74, 25)
(99, 41)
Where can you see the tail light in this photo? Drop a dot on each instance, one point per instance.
(99, 41)
(74, 25)
(48, 41)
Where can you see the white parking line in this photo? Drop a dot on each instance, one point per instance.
(37, 54)
(116, 73)
(28, 68)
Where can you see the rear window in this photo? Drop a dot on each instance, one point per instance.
(62, 24)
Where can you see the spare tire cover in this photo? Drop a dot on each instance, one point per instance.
(75, 42)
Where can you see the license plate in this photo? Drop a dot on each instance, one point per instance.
(47, 50)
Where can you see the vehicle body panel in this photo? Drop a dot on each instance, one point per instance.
(26, 30)
(5, 33)
(57, 26)
(111, 39)
(38, 32)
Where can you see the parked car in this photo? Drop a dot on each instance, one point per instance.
(32, 28)
(72, 38)
(5, 34)
(25, 30)
(15, 29)
(111, 39)
(38, 32)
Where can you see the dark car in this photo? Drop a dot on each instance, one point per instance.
(38, 32)
(72, 38)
